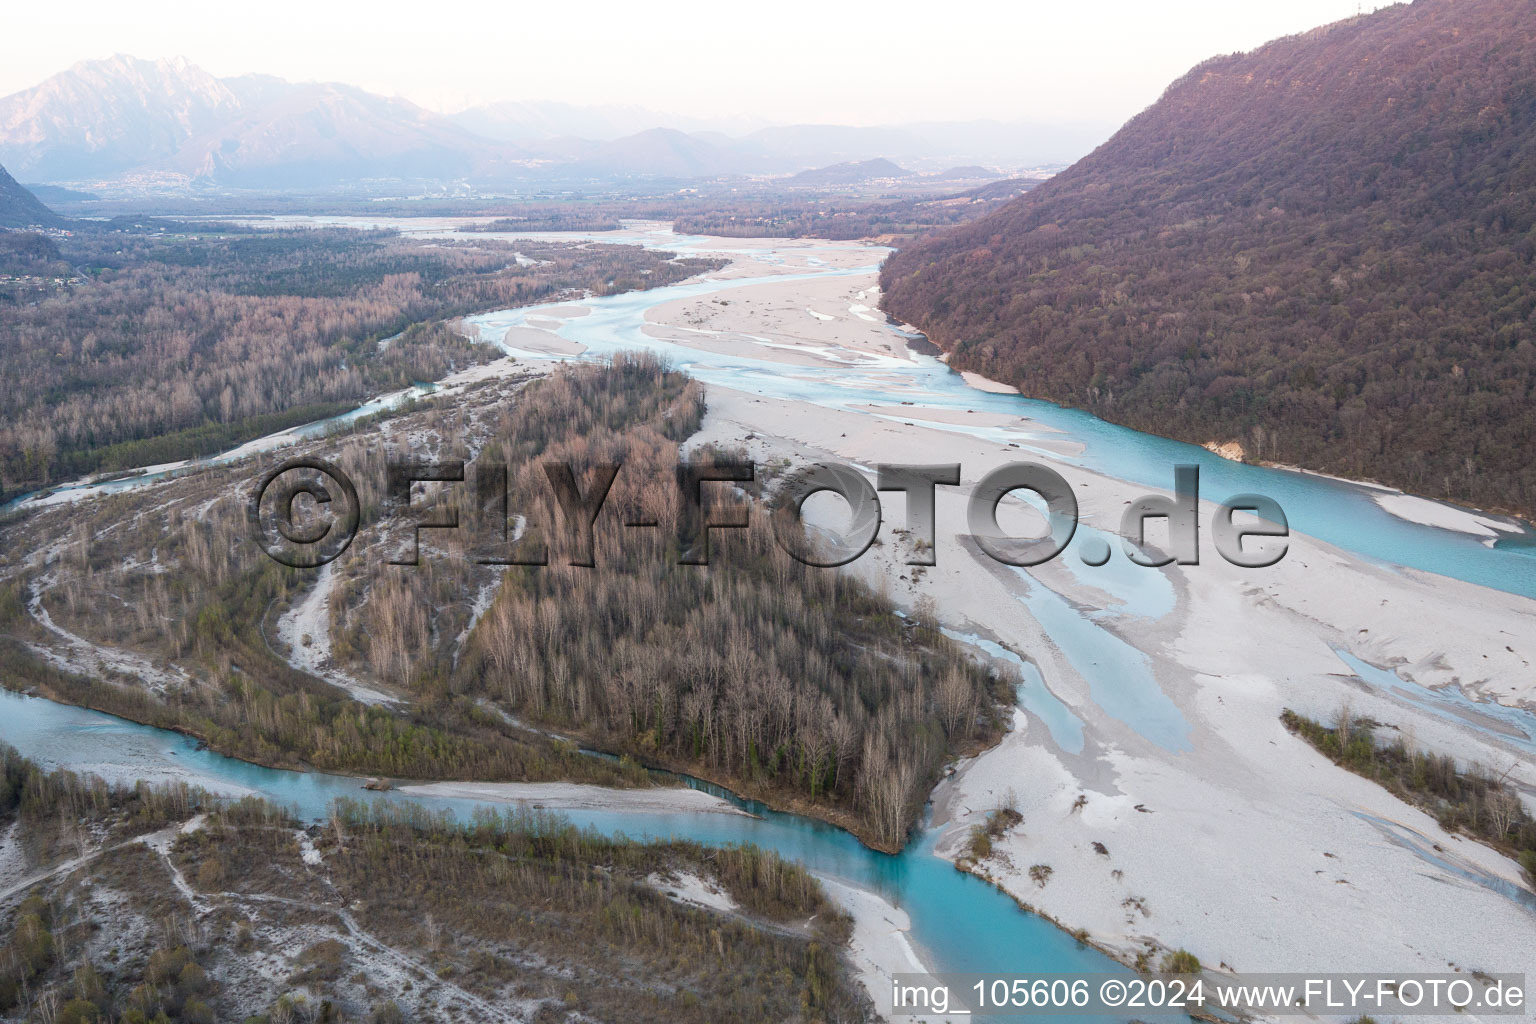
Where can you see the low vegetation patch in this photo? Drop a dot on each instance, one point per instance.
(997, 825)
(1181, 961)
(1471, 800)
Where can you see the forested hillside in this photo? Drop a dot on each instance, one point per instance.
(20, 208)
(1322, 249)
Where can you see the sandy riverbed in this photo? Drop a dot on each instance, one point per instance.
(1225, 834)
(1439, 514)
(879, 947)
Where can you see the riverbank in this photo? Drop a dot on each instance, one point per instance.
(1446, 517)
(777, 799)
(880, 947)
(131, 706)
(575, 796)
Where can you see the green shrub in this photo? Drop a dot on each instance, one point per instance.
(1181, 961)
(981, 843)
(78, 1011)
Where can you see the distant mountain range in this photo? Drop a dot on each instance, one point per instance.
(20, 208)
(170, 120)
(1324, 249)
(170, 123)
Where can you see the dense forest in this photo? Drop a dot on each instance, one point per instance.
(162, 904)
(133, 347)
(1324, 249)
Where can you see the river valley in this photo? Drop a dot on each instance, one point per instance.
(1148, 717)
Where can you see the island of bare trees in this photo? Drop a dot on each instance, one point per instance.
(796, 685)
(793, 683)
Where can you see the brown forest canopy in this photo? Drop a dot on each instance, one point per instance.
(133, 344)
(1323, 249)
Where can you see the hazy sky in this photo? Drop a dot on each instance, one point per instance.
(783, 60)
